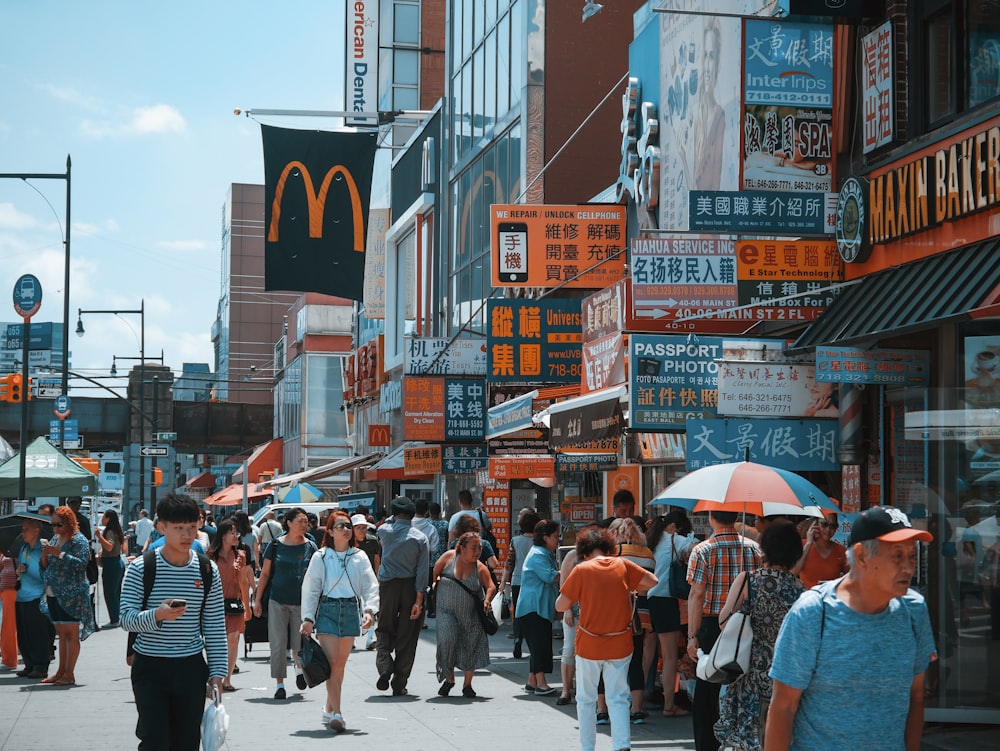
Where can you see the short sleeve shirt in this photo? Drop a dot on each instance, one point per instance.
(602, 587)
(852, 665)
(717, 562)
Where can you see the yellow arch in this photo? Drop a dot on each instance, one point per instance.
(317, 203)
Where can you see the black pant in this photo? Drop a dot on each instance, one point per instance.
(396, 632)
(170, 698)
(35, 635)
(537, 631)
(515, 590)
(705, 707)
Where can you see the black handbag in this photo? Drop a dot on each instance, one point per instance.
(233, 606)
(315, 666)
(486, 618)
(677, 574)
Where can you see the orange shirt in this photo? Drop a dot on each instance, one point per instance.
(818, 569)
(602, 587)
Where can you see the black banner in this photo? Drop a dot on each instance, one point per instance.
(317, 187)
(591, 422)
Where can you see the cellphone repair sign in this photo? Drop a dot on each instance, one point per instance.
(557, 246)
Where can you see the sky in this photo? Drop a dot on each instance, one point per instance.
(141, 96)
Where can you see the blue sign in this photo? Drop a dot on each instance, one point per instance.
(27, 295)
(513, 414)
(349, 502)
(534, 341)
(464, 409)
(586, 462)
(63, 406)
(672, 380)
(788, 64)
(761, 212)
(41, 336)
(71, 433)
(796, 445)
(463, 458)
(898, 367)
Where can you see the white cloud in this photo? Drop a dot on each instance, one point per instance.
(12, 219)
(90, 229)
(184, 245)
(71, 96)
(142, 121)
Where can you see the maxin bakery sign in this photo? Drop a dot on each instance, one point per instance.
(957, 179)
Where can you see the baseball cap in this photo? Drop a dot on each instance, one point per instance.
(358, 519)
(886, 523)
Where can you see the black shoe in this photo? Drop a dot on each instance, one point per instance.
(300, 682)
(399, 692)
(517, 649)
(562, 701)
(468, 692)
(236, 669)
(24, 673)
(446, 687)
(383, 682)
(280, 693)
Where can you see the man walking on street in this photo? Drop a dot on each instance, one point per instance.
(712, 567)
(178, 622)
(403, 576)
(857, 648)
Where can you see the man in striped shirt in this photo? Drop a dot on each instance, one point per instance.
(179, 624)
(712, 567)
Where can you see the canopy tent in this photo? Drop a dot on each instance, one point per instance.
(48, 472)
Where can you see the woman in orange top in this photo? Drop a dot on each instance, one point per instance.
(822, 558)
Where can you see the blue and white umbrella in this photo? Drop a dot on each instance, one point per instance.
(303, 492)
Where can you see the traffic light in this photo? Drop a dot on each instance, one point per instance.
(5, 388)
(31, 389)
(14, 383)
(157, 476)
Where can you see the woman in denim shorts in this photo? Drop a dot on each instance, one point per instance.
(339, 599)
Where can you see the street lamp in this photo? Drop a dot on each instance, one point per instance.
(141, 312)
(115, 358)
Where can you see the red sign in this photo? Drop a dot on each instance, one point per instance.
(370, 373)
(522, 467)
(379, 435)
(603, 363)
(350, 377)
(423, 409)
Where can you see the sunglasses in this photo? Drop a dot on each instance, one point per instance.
(828, 525)
(57, 524)
(342, 526)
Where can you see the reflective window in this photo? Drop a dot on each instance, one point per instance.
(325, 423)
(490, 83)
(406, 24)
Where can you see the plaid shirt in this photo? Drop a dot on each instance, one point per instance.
(717, 561)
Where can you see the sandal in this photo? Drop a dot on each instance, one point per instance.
(66, 680)
(562, 701)
(228, 687)
(675, 711)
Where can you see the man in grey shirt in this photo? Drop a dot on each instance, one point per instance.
(403, 577)
(423, 523)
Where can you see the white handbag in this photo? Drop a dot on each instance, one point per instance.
(729, 658)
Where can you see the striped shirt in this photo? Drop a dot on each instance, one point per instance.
(183, 637)
(717, 561)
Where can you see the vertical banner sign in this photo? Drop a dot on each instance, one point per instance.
(534, 341)
(876, 92)
(361, 66)
(374, 294)
(317, 186)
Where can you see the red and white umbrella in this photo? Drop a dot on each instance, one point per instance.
(746, 487)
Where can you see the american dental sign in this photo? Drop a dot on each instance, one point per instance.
(361, 70)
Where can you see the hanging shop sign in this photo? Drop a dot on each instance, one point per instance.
(531, 441)
(787, 148)
(672, 380)
(852, 221)
(603, 363)
(788, 63)
(792, 278)
(496, 504)
(877, 116)
(463, 458)
(762, 212)
(370, 373)
(422, 461)
(586, 463)
(889, 367)
(379, 435)
(522, 467)
(510, 416)
(557, 246)
(655, 447)
(534, 341)
(770, 389)
(604, 311)
(463, 355)
(443, 409)
(797, 445)
(590, 422)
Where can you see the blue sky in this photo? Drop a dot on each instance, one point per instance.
(141, 95)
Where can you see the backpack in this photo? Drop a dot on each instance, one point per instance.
(149, 578)
(487, 532)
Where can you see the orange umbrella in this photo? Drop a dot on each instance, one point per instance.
(233, 495)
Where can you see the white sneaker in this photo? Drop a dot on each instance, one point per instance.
(327, 716)
(337, 723)
(7, 668)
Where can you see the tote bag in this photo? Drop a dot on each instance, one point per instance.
(729, 658)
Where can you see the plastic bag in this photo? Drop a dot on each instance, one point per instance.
(214, 724)
(497, 606)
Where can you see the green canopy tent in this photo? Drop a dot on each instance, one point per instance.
(48, 473)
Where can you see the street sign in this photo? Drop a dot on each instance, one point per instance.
(27, 295)
(70, 432)
(163, 437)
(45, 389)
(62, 406)
(154, 450)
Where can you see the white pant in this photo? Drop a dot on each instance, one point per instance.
(616, 692)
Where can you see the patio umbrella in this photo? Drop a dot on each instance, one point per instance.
(749, 488)
(303, 492)
(10, 528)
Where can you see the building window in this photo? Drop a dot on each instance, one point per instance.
(958, 58)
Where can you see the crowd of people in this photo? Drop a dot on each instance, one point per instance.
(632, 631)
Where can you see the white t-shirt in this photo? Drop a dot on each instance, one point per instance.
(484, 520)
(143, 527)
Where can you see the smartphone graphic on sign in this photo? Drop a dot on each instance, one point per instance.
(512, 241)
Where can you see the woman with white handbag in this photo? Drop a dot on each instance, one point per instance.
(765, 595)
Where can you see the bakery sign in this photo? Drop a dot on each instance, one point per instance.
(958, 178)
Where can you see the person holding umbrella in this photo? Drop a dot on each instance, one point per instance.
(35, 633)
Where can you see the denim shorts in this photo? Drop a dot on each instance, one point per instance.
(338, 616)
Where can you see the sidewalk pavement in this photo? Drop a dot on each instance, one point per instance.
(99, 712)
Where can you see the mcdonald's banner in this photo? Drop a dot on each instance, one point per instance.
(379, 435)
(317, 187)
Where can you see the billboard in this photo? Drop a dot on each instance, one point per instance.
(534, 341)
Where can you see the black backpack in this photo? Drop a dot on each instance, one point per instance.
(149, 578)
(487, 532)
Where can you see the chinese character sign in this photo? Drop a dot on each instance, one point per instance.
(534, 341)
(876, 82)
(770, 389)
(760, 212)
(444, 409)
(788, 63)
(672, 380)
(796, 445)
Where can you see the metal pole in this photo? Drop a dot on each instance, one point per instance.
(65, 342)
(22, 477)
(156, 417)
(142, 392)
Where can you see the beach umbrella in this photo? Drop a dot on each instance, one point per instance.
(10, 528)
(303, 492)
(746, 487)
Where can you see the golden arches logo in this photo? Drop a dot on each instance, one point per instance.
(317, 202)
(378, 435)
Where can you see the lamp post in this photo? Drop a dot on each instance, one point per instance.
(141, 312)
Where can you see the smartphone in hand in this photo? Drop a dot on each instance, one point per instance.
(178, 603)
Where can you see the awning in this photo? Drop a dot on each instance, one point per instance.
(204, 480)
(326, 470)
(593, 397)
(587, 419)
(232, 495)
(264, 458)
(389, 467)
(918, 295)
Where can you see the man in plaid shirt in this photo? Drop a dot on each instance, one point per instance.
(712, 567)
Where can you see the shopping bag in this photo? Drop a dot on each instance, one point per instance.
(214, 723)
(315, 666)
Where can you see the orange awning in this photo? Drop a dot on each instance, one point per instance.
(204, 480)
(233, 495)
(265, 458)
